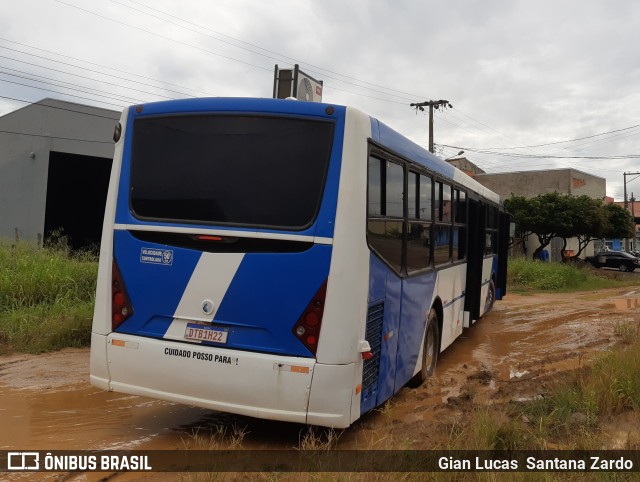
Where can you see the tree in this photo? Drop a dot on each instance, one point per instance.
(545, 215)
(588, 221)
(620, 224)
(520, 209)
(562, 215)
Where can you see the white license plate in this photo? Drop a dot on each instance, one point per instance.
(205, 333)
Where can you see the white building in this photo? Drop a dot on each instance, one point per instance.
(55, 161)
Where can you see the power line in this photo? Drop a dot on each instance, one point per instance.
(278, 59)
(58, 92)
(39, 104)
(87, 70)
(76, 87)
(536, 156)
(216, 53)
(55, 137)
(88, 62)
(155, 34)
(569, 140)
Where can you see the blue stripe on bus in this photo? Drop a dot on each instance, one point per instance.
(154, 303)
(268, 295)
(446, 305)
(265, 299)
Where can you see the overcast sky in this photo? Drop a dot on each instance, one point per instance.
(518, 73)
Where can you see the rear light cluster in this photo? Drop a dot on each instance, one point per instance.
(121, 308)
(307, 329)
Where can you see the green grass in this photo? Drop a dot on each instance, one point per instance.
(46, 297)
(526, 275)
(569, 415)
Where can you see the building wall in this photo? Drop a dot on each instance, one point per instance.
(533, 183)
(27, 136)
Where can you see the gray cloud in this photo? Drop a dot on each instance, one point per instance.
(518, 73)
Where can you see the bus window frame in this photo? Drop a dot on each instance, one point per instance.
(385, 155)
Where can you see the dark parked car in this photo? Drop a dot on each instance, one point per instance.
(614, 259)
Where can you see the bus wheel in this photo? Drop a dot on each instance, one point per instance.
(429, 352)
(491, 297)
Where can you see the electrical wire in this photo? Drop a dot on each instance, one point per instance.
(39, 104)
(55, 137)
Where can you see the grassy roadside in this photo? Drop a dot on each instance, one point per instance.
(46, 303)
(46, 297)
(530, 276)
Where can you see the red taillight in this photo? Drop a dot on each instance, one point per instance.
(121, 308)
(307, 329)
(210, 238)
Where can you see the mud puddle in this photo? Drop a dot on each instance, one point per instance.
(46, 402)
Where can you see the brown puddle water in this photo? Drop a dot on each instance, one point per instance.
(46, 402)
(85, 417)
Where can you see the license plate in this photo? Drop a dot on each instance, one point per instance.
(205, 333)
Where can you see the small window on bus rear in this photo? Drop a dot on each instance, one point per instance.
(230, 169)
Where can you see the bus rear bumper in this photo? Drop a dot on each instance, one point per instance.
(253, 384)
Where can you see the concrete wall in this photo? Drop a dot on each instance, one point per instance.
(533, 183)
(27, 136)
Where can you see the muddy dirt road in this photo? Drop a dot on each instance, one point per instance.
(46, 402)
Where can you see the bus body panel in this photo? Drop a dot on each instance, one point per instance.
(242, 382)
(330, 400)
(257, 297)
(343, 324)
(418, 293)
(385, 291)
(102, 308)
(451, 290)
(99, 362)
(487, 273)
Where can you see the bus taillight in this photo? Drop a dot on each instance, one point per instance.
(121, 308)
(307, 329)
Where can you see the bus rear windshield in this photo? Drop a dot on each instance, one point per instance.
(230, 169)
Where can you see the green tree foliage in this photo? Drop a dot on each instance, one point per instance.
(561, 215)
(546, 216)
(588, 221)
(620, 223)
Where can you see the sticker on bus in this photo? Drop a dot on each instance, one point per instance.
(205, 333)
(156, 256)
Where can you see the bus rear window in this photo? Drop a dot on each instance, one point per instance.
(221, 169)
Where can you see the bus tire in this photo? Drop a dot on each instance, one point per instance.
(429, 351)
(491, 297)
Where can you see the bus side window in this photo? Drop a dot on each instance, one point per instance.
(460, 225)
(443, 229)
(375, 187)
(419, 228)
(385, 224)
(491, 232)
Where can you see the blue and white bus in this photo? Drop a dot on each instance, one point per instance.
(285, 260)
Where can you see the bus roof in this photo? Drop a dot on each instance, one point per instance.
(386, 136)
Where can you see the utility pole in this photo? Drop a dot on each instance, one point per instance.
(626, 204)
(431, 104)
